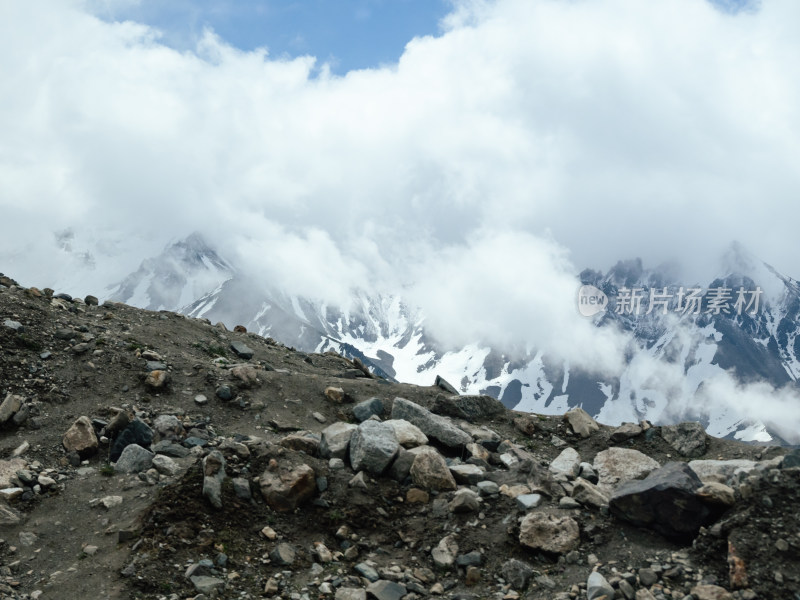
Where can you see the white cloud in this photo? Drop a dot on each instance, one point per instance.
(532, 139)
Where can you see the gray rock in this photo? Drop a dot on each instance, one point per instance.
(170, 448)
(241, 487)
(283, 554)
(345, 593)
(470, 559)
(373, 446)
(165, 465)
(688, 439)
(470, 408)
(407, 434)
(528, 501)
(241, 350)
(155, 365)
(588, 494)
(567, 463)
(445, 552)
(14, 325)
(517, 573)
(557, 535)
(134, 459)
(618, 465)
(598, 587)
(587, 472)
(386, 590)
(464, 501)
(625, 432)
(284, 490)
(335, 440)
(364, 410)
(488, 488)
(366, 571)
(401, 465)
(10, 407)
(664, 501)
(167, 427)
(722, 470)
(224, 392)
(441, 382)
(581, 422)
(439, 428)
(791, 460)
(468, 474)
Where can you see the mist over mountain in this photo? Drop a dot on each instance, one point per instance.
(735, 370)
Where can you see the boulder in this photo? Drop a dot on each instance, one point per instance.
(241, 350)
(80, 438)
(401, 465)
(581, 422)
(468, 474)
(439, 429)
(721, 470)
(665, 501)
(407, 434)
(368, 408)
(373, 446)
(445, 552)
(136, 432)
(303, 441)
(386, 590)
(597, 587)
(335, 440)
(541, 531)
(588, 494)
(335, 394)
(625, 432)
(470, 408)
(134, 459)
(167, 427)
(245, 376)
(688, 439)
(567, 463)
(429, 470)
(284, 490)
(618, 465)
(442, 383)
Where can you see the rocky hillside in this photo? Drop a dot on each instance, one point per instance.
(151, 455)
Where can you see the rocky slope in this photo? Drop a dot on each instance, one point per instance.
(152, 455)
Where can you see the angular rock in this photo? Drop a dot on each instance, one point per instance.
(581, 422)
(436, 427)
(213, 476)
(625, 432)
(445, 552)
(586, 471)
(517, 573)
(303, 441)
(791, 460)
(80, 438)
(9, 471)
(134, 459)
(285, 490)
(136, 432)
(366, 571)
(711, 592)
(470, 408)
(549, 533)
(618, 465)
(717, 494)
(368, 408)
(441, 382)
(407, 434)
(241, 350)
(9, 516)
(165, 465)
(588, 494)
(468, 474)
(345, 593)
(400, 468)
(528, 501)
(335, 440)
(429, 470)
(373, 446)
(167, 427)
(246, 376)
(386, 590)
(10, 407)
(688, 439)
(721, 470)
(464, 501)
(283, 554)
(567, 463)
(598, 587)
(224, 392)
(664, 501)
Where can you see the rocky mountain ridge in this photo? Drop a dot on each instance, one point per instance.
(153, 455)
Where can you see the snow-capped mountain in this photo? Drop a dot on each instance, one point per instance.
(677, 355)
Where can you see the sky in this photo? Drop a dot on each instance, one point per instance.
(473, 154)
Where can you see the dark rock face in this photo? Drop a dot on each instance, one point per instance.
(470, 408)
(664, 501)
(137, 432)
